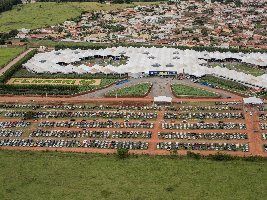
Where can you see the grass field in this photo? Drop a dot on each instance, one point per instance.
(138, 90)
(37, 15)
(9, 53)
(184, 90)
(224, 84)
(48, 175)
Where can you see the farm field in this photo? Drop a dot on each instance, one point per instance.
(49, 13)
(137, 90)
(9, 53)
(53, 175)
(184, 90)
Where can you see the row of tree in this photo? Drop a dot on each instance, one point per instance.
(7, 75)
(100, 1)
(8, 4)
(6, 36)
(58, 1)
(196, 48)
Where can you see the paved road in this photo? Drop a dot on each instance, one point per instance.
(14, 61)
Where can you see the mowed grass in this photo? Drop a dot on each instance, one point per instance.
(54, 175)
(137, 90)
(9, 53)
(37, 15)
(185, 90)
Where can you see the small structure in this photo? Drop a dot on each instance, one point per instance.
(162, 100)
(253, 101)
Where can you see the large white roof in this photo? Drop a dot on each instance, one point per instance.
(149, 59)
(162, 99)
(252, 100)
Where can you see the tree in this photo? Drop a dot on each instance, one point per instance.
(122, 153)
(8, 4)
(29, 115)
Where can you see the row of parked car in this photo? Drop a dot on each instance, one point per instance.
(85, 114)
(90, 134)
(78, 107)
(203, 146)
(202, 136)
(263, 126)
(60, 143)
(10, 133)
(96, 124)
(204, 108)
(203, 115)
(203, 125)
(263, 116)
(14, 124)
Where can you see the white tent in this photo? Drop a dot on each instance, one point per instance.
(252, 100)
(162, 99)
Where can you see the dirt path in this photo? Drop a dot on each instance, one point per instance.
(254, 132)
(14, 61)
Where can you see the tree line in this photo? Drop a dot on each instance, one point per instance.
(100, 1)
(8, 4)
(7, 36)
(85, 46)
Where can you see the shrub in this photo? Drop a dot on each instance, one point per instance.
(254, 158)
(174, 154)
(193, 155)
(122, 153)
(221, 157)
(29, 115)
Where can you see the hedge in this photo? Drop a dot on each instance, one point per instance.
(8, 74)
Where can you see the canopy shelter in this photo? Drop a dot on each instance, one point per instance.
(253, 100)
(162, 99)
(144, 60)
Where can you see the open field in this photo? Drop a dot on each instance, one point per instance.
(37, 15)
(184, 90)
(48, 175)
(7, 54)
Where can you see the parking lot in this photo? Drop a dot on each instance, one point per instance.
(201, 126)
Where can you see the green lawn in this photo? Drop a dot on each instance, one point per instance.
(225, 84)
(242, 67)
(9, 53)
(184, 90)
(138, 90)
(37, 15)
(54, 175)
